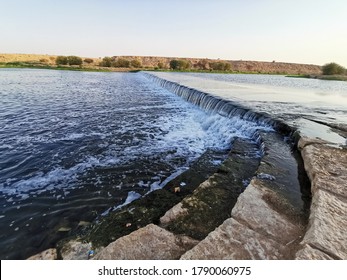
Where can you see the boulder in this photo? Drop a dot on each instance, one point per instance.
(148, 243)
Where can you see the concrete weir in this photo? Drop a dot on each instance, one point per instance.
(289, 203)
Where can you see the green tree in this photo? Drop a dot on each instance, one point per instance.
(74, 60)
(61, 60)
(333, 69)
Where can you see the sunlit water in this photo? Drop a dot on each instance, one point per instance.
(74, 145)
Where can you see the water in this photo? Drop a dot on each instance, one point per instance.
(301, 103)
(74, 145)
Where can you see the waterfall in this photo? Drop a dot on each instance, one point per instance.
(220, 106)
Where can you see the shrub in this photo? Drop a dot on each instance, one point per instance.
(74, 60)
(106, 62)
(179, 64)
(43, 60)
(333, 69)
(220, 66)
(61, 60)
(121, 62)
(88, 60)
(135, 63)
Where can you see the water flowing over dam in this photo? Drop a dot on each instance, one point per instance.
(101, 155)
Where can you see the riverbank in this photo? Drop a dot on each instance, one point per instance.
(162, 63)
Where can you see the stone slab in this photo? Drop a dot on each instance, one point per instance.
(309, 253)
(234, 241)
(327, 229)
(253, 209)
(148, 243)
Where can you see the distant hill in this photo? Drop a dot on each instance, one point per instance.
(196, 63)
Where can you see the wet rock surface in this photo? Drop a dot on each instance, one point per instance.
(265, 223)
(211, 203)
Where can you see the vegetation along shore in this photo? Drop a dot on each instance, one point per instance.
(330, 71)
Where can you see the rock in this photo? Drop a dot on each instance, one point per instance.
(234, 241)
(49, 254)
(327, 168)
(75, 250)
(254, 210)
(306, 141)
(173, 214)
(148, 243)
(328, 224)
(309, 253)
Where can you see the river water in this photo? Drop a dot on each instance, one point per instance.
(75, 145)
(302, 103)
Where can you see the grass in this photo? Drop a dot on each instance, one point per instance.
(37, 65)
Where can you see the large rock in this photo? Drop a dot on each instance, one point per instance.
(256, 208)
(326, 167)
(177, 211)
(148, 243)
(234, 241)
(49, 254)
(309, 253)
(328, 224)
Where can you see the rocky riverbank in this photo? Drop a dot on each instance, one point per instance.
(262, 223)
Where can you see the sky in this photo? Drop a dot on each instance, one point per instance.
(312, 32)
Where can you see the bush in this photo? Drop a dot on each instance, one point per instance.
(333, 69)
(135, 63)
(74, 60)
(220, 66)
(179, 64)
(88, 60)
(161, 65)
(121, 62)
(106, 62)
(61, 60)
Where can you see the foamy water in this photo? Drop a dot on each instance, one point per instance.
(75, 145)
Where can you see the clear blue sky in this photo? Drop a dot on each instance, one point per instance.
(265, 30)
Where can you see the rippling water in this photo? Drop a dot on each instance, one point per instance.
(75, 144)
